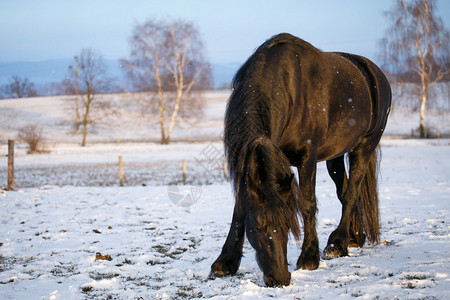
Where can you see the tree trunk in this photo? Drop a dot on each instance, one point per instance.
(77, 107)
(174, 114)
(77, 117)
(162, 118)
(86, 120)
(422, 116)
(85, 123)
(424, 91)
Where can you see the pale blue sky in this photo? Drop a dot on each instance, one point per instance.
(35, 30)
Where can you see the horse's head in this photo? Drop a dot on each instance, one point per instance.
(269, 218)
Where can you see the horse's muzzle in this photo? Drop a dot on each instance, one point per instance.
(278, 280)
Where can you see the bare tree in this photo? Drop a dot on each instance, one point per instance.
(19, 88)
(416, 49)
(167, 60)
(88, 79)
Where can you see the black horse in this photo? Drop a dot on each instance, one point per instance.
(293, 105)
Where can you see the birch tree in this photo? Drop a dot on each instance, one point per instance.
(416, 49)
(167, 60)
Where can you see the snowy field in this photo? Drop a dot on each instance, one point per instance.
(69, 231)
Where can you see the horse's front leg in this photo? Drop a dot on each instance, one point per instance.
(229, 259)
(309, 258)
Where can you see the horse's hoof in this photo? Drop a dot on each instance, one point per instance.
(213, 275)
(354, 244)
(308, 264)
(219, 269)
(216, 273)
(357, 240)
(334, 251)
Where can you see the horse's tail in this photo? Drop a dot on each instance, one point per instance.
(367, 217)
(266, 174)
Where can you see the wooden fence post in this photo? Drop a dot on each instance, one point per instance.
(121, 170)
(10, 165)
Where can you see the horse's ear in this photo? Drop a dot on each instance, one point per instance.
(286, 183)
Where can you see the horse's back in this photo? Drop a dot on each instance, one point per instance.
(278, 56)
(300, 93)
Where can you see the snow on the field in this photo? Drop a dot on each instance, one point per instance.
(50, 236)
(69, 215)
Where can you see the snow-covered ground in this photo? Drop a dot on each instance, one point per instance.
(162, 236)
(160, 249)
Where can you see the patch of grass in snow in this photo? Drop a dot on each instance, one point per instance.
(9, 262)
(417, 281)
(152, 262)
(63, 270)
(188, 292)
(6, 263)
(100, 276)
(167, 250)
(86, 288)
(417, 276)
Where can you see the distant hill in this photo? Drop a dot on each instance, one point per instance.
(44, 73)
(38, 72)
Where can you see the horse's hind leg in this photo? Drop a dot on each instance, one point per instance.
(229, 259)
(338, 241)
(336, 170)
